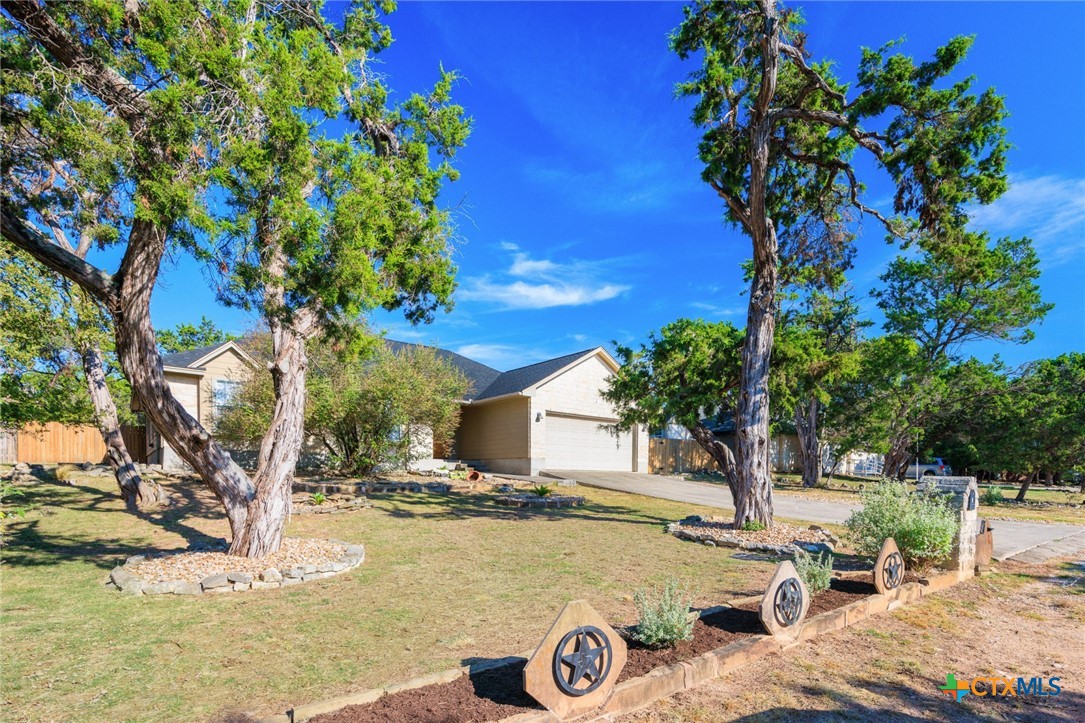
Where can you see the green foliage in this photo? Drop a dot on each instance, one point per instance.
(752, 526)
(542, 490)
(366, 412)
(922, 524)
(816, 572)
(318, 498)
(992, 495)
(663, 620)
(185, 337)
(9, 491)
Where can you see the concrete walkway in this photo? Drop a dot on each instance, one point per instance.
(1037, 540)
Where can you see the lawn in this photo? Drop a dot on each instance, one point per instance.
(447, 579)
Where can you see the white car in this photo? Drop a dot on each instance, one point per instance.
(937, 468)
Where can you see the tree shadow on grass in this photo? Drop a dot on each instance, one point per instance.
(27, 545)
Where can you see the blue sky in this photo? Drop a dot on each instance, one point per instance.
(580, 215)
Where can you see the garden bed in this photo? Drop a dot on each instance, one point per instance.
(780, 539)
(534, 500)
(497, 693)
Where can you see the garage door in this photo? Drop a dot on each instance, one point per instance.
(578, 443)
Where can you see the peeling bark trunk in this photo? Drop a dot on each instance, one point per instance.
(896, 459)
(1024, 487)
(806, 424)
(269, 510)
(720, 452)
(138, 356)
(754, 499)
(138, 493)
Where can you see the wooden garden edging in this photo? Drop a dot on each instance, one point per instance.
(667, 680)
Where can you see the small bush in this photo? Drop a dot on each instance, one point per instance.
(318, 498)
(542, 490)
(816, 572)
(992, 495)
(752, 526)
(65, 472)
(664, 621)
(922, 524)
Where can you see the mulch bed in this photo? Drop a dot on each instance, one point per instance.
(488, 695)
(498, 693)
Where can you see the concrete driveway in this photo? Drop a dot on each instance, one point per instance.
(1032, 541)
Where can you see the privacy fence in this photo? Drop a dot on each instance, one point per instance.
(674, 456)
(56, 443)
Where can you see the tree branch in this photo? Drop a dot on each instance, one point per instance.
(99, 284)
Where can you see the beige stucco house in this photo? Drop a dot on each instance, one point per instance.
(203, 380)
(549, 415)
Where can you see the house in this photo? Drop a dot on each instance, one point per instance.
(203, 380)
(549, 415)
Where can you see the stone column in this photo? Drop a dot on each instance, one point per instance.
(964, 499)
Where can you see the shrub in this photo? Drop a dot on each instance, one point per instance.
(922, 524)
(542, 490)
(65, 472)
(752, 526)
(318, 498)
(816, 572)
(992, 495)
(664, 621)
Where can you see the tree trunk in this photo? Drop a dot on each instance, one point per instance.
(138, 493)
(1025, 485)
(269, 510)
(720, 452)
(142, 365)
(806, 424)
(754, 499)
(896, 459)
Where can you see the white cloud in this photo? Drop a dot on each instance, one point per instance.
(1048, 209)
(508, 246)
(714, 310)
(542, 284)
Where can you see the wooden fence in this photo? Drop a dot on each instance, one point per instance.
(55, 443)
(673, 456)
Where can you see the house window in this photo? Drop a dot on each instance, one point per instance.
(224, 392)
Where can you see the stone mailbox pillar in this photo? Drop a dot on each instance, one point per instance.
(964, 499)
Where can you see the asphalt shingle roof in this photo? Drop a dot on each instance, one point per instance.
(187, 358)
(488, 382)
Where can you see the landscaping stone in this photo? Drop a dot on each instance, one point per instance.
(529, 499)
(242, 586)
(294, 572)
(785, 602)
(161, 588)
(888, 568)
(270, 575)
(188, 588)
(257, 585)
(242, 577)
(213, 581)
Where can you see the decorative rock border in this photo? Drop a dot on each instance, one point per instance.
(130, 584)
(718, 538)
(359, 488)
(528, 499)
(330, 507)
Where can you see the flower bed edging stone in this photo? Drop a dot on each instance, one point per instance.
(129, 584)
(533, 500)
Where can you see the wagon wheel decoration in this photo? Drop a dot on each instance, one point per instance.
(787, 604)
(893, 571)
(582, 660)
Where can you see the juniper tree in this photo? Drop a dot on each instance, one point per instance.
(204, 127)
(780, 137)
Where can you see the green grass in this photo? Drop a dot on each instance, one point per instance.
(447, 578)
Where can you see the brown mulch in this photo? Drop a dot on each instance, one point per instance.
(710, 632)
(488, 695)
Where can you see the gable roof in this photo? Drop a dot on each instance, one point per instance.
(517, 380)
(192, 358)
(480, 375)
(189, 357)
(489, 383)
